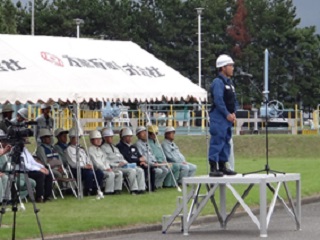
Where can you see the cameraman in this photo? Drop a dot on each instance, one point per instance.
(3, 176)
(6, 114)
(5, 168)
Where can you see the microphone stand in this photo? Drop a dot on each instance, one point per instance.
(267, 167)
(266, 102)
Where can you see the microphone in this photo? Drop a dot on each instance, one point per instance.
(242, 73)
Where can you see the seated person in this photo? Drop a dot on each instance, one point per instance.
(40, 174)
(158, 153)
(133, 174)
(173, 155)
(112, 177)
(159, 168)
(90, 185)
(47, 155)
(62, 144)
(22, 116)
(132, 155)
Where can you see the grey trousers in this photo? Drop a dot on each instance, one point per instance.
(113, 181)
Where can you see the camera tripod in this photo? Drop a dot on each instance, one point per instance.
(13, 186)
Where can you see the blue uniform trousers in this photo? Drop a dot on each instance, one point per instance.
(220, 130)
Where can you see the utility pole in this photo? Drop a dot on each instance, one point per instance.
(32, 18)
(199, 11)
(78, 21)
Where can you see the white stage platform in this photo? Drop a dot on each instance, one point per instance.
(212, 184)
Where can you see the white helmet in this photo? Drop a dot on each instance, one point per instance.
(72, 132)
(169, 129)
(224, 60)
(44, 132)
(107, 132)
(44, 106)
(140, 129)
(126, 132)
(95, 134)
(58, 131)
(23, 112)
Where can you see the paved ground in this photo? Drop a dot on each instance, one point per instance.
(282, 227)
(242, 228)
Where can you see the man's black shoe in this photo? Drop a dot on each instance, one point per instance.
(225, 170)
(214, 171)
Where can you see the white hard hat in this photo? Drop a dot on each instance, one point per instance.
(169, 129)
(23, 112)
(95, 134)
(224, 60)
(126, 132)
(58, 131)
(72, 132)
(107, 132)
(44, 132)
(140, 129)
(7, 108)
(44, 106)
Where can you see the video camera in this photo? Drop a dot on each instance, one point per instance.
(16, 135)
(17, 132)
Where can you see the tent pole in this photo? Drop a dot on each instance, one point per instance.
(149, 170)
(76, 125)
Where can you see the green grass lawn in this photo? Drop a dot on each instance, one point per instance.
(291, 154)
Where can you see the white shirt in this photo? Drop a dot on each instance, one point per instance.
(29, 162)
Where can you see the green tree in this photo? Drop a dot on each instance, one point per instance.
(7, 22)
(273, 25)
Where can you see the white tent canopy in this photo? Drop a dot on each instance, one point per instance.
(43, 69)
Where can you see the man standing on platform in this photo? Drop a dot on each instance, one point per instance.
(222, 116)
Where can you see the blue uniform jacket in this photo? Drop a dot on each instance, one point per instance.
(217, 90)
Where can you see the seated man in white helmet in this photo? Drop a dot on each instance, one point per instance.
(47, 155)
(43, 121)
(62, 144)
(132, 155)
(22, 116)
(113, 178)
(90, 185)
(142, 144)
(173, 154)
(134, 174)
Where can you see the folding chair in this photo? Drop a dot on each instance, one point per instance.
(68, 179)
(56, 163)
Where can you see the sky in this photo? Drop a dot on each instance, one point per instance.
(307, 11)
